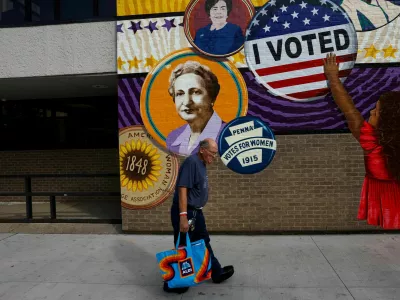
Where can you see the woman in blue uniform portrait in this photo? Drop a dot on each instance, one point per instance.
(219, 37)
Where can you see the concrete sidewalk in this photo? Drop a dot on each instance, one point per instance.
(122, 267)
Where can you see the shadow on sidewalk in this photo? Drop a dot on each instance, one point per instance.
(138, 254)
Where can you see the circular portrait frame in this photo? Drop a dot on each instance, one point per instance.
(161, 111)
(202, 31)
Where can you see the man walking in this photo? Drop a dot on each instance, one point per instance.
(191, 195)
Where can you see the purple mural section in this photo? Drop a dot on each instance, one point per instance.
(128, 101)
(365, 85)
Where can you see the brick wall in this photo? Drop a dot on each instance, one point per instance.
(313, 183)
(60, 162)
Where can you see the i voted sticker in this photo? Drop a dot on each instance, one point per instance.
(287, 41)
(247, 145)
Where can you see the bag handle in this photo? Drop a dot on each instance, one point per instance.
(188, 243)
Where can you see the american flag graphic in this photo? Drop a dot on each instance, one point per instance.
(287, 41)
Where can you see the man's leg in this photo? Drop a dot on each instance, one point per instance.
(219, 274)
(200, 232)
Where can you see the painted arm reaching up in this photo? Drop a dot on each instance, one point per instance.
(341, 97)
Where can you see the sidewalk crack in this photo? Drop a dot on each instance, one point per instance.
(333, 268)
(8, 237)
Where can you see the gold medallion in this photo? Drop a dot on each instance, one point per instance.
(147, 172)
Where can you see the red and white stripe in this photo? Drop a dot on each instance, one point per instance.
(303, 80)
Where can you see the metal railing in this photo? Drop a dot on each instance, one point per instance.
(28, 194)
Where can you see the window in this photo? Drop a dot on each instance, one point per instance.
(76, 10)
(59, 124)
(107, 8)
(36, 12)
(42, 10)
(12, 12)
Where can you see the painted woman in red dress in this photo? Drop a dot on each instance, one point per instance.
(379, 137)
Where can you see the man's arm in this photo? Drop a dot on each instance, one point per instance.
(183, 222)
(183, 199)
(341, 97)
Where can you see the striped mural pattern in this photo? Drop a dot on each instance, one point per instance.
(143, 42)
(381, 45)
(365, 85)
(140, 48)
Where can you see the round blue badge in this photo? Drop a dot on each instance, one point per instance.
(246, 145)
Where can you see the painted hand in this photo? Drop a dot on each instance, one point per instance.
(331, 68)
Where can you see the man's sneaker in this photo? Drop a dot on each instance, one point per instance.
(227, 272)
(175, 290)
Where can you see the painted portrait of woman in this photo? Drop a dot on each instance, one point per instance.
(188, 97)
(217, 27)
(219, 37)
(194, 89)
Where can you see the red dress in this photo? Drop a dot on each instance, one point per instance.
(380, 194)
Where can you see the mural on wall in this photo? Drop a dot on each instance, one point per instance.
(286, 43)
(217, 28)
(142, 42)
(247, 145)
(143, 7)
(364, 85)
(148, 174)
(188, 97)
(273, 74)
(370, 14)
(381, 45)
(378, 25)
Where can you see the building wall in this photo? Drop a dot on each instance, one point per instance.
(82, 48)
(90, 161)
(313, 183)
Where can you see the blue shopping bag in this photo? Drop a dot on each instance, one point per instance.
(185, 266)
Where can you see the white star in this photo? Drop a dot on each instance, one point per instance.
(286, 24)
(264, 12)
(283, 8)
(256, 22)
(322, 2)
(295, 15)
(248, 32)
(306, 21)
(334, 8)
(326, 18)
(275, 18)
(314, 11)
(303, 5)
(273, 2)
(267, 28)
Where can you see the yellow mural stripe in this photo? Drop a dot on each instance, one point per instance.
(143, 7)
